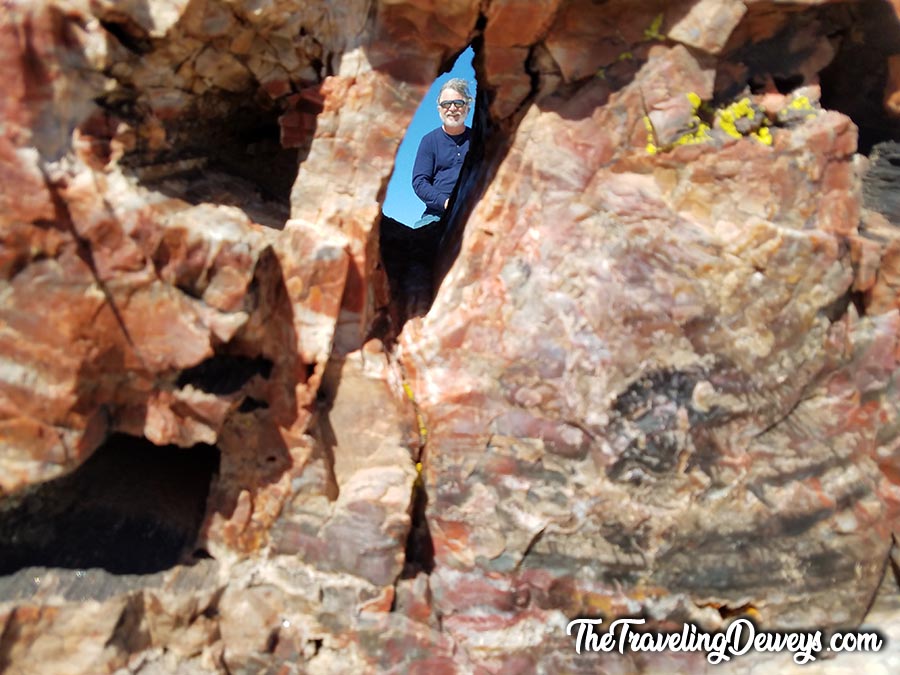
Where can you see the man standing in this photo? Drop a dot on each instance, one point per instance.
(442, 151)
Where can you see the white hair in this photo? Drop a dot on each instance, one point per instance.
(459, 85)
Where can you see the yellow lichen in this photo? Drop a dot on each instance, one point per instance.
(800, 103)
(726, 124)
(763, 135)
(727, 119)
(652, 32)
(423, 430)
(799, 107)
(700, 132)
(700, 129)
(699, 135)
(651, 136)
(729, 116)
(625, 56)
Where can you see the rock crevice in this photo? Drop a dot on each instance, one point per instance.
(654, 372)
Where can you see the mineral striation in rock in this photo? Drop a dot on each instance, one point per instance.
(659, 376)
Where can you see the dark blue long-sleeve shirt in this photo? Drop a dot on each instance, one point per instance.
(438, 161)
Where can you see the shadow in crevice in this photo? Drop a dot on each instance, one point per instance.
(240, 149)
(409, 257)
(854, 82)
(223, 374)
(321, 427)
(419, 555)
(131, 508)
(255, 438)
(236, 159)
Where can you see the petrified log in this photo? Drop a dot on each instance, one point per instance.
(658, 377)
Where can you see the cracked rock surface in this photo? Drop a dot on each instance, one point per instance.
(658, 378)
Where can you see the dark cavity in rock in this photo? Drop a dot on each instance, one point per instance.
(131, 508)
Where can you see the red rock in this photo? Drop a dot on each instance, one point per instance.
(507, 76)
(414, 600)
(885, 295)
(867, 257)
(510, 24)
(659, 378)
(25, 192)
(367, 479)
(545, 394)
(585, 36)
(708, 24)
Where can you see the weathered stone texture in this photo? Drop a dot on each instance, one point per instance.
(645, 357)
(660, 377)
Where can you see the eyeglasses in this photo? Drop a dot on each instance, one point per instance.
(457, 102)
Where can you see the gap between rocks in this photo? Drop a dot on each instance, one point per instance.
(491, 140)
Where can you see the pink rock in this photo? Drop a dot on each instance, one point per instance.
(604, 376)
(352, 207)
(507, 76)
(708, 24)
(511, 24)
(660, 377)
(368, 476)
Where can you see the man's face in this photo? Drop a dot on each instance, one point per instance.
(453, 114)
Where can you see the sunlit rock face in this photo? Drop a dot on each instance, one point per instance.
(659, 376)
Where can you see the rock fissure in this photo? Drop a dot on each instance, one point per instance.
(229, 161)
(128, 35)
(83, 246)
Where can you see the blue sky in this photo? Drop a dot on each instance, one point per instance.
(401, 202)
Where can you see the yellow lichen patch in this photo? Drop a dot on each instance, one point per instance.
(728, 120)
(423, 430)
(699, 135)
(729, 116)
(800, 103)
(699, 130)
(651, 136)
(652, 32)
(799, 107)
(763, 135)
